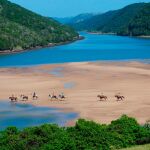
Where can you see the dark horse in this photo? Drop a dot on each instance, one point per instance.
(13, 99)
(53, 97)
(25, 98)
(34, 97)
(62, 97)
(102, 97)
(119, 97)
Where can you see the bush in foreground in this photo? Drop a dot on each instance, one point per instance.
(85, 135)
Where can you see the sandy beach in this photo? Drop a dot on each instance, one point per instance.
(81, 83)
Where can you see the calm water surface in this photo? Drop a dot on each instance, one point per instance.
(92, 48)
(25, 115)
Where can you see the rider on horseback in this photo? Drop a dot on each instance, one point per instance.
(62, 94)
(34, 94)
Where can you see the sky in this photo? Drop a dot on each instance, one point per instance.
(66, 8)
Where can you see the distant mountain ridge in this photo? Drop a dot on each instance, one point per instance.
(131, 20)
(23, 29)
(75, 19)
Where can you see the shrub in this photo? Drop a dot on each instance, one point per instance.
(85, 135)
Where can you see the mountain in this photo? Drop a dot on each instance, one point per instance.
(75, 19)
(64, 20)
(23, 29)
(132, 20)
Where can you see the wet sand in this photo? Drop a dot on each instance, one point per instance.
(81, 83)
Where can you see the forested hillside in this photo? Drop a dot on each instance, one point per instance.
(140, 25)
(131, 20)
(23, 29)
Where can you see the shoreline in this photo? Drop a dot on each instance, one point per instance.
(131, 79)
(39, 47)
(144, 37)
(101, 33)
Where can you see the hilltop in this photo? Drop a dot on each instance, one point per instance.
(23, 29)
(75, 19)
(131, 20)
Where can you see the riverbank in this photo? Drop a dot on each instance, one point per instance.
(110, 33)
(144, 36)
(81, 83)
(102, 33)
(38, 47)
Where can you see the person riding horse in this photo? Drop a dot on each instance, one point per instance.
(119, 97)
(34, 96)
(102, 97)
(13, 98)
(24, 98)
(62, 96)
(53, 96)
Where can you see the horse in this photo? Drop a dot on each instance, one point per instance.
(119, 97)
(102, 97)
(25, 98)
(35, 97)
(13, 99)
(53, 97)
(62, 97)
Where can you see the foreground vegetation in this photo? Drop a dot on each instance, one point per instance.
(85, 135)
(23, 29)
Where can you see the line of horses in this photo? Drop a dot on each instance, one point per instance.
(117, 96)
(21, 98)
(61, 97)
(35, 97)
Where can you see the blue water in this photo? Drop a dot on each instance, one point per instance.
(57, 72)
(25, 115)
(92, 48)
(69, 85)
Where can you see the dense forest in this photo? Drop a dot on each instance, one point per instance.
(85, 135)
(131, 20)
(23, 29)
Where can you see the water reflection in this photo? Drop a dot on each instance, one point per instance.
(25, 115)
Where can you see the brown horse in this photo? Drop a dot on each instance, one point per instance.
(102, 97)
(53, 97)
(119, 97)
(62, 97)
(25, 98)
(13, 99)
(34, 97)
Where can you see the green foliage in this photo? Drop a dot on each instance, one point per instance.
(140, 25)
(85, 135)
(133, 20)
(22, 28)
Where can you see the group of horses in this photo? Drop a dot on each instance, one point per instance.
(117, 96)
(35, 97)
(61, 97)
(55, 97)
(22, 98)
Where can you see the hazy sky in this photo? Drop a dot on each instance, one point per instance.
(63, 8)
